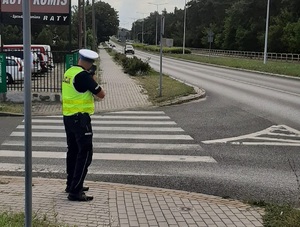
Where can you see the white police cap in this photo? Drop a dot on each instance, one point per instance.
(88, 55)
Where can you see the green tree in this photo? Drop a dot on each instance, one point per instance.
(12, 34)
(244, 25)
(106, 19)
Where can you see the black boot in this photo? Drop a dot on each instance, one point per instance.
(81, 197)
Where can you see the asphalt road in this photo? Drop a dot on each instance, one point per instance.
(249, 122)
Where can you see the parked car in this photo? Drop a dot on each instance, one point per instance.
(128, 49)
(35, 62)
(14, 69)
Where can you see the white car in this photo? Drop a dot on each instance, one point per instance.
(35, 62)
(14, 69)
(128, 49)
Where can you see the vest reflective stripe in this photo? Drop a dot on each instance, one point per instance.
(74, 101)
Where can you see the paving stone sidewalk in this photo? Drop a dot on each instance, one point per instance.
(119, 205)
(122, 92)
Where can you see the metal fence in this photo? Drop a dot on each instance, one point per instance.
(46, 74)
(287, 57)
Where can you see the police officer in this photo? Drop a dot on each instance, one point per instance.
(78, 90)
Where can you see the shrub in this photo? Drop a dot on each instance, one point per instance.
(133, 66)
(169, 50)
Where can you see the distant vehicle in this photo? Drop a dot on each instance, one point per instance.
(14, 69)
(128, 49)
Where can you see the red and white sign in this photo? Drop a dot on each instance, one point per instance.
(42, 11)
(37, 6)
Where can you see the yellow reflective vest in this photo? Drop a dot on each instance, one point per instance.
(74, 102)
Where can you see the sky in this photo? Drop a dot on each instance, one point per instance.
(131, 10)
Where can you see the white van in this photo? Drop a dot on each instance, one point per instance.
(43, 50)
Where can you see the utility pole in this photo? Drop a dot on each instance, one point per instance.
(94, 26)
(156, 19)
(266, 35)
(162, 31)
(184, 27)
(84, 24)
(80, 23)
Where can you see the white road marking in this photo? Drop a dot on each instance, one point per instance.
(284, 133)
(126, 112)
(138, 112)
(123, 117)
(118, 122)
(105, 128)
(156, 146)
(39, 168)
(267, 144)
(109, 136)
(114, 156)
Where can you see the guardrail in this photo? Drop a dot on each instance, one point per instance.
(287, 57)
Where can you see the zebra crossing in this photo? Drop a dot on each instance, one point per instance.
(138, 136)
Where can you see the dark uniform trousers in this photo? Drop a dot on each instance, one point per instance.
(80, 149)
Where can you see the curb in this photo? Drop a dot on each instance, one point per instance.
(200, 93)
(10, 114)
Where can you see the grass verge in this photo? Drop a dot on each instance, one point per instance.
(171, 88)
(276, 67)
(281, 216)
(9, 107)
(278, 215)
(9, 219)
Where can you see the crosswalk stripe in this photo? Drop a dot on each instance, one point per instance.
(157, 146)
(124, 117)
(138, 112)
(111, 122)
(105, 128)
(109, 136)
(124, 136)
(39, 168)
(58, 169)
(115, 157)
(126, 113)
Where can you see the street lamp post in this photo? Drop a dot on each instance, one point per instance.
(156, 19)
(133, 27)
(184, 27)
(266, 35)
(143, 31)
(143, 27)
